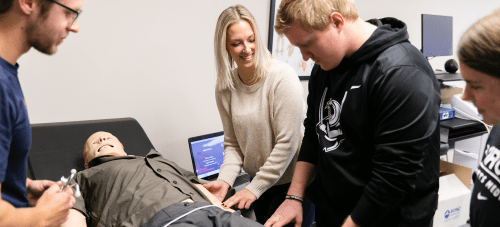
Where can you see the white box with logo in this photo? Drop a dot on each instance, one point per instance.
(454, 196)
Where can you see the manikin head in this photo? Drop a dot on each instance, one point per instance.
(102, 143)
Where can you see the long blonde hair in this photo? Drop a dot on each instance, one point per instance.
(223, 62)
(313, 14)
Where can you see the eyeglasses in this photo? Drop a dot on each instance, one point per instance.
(77, 13)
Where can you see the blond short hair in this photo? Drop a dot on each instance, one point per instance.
(313, 14)
(223, 62)
(479, 47)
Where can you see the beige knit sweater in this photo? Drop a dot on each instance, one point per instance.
(263, 128)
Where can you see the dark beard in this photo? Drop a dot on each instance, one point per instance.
(38, 38)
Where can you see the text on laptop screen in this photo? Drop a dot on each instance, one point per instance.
(208, 155)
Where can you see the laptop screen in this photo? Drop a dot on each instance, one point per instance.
(207, 154)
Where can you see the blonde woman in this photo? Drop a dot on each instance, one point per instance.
(260, 101)
(479, 55)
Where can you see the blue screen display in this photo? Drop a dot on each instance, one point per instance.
(437, 35)
(208, 155)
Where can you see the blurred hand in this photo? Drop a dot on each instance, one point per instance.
(289, 211)
(35, 189)
(219, 188)
(54, 205)
(242, 199)
(349, 222)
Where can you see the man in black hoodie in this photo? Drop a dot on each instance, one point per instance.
(371, 142)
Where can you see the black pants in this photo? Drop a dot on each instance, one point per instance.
(269, 202)
(206, 217)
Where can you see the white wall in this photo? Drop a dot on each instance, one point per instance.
(153, 61)
(464, 13)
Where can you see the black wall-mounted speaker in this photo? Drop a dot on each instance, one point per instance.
(451, 66)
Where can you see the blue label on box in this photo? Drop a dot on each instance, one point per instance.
(452, 214)
(445, 113)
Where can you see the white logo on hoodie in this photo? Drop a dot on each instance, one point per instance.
(328, 128)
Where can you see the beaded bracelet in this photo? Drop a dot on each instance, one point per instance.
(288, 196)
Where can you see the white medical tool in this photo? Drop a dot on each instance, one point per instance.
(66, 183)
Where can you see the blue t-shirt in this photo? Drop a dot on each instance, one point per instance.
(15, 136)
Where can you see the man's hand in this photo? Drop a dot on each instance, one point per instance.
(349, 222)
(243, 199)
(54, 205)
(35, 189)
(289, 211)
(219, 188)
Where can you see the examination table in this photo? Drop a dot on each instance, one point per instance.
(56, 148)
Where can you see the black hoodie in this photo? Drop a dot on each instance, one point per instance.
(372, 130)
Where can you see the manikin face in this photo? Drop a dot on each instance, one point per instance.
(323, 47)
(484, 91)
(45, 32)
(240, 40)
(102, 143)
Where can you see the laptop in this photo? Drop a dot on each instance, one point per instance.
(207, 155)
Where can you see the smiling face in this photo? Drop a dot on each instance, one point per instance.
(241, 44)
(102, 143)
(484, 91)
(46, 31)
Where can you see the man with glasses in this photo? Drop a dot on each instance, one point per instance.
(42, 24)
